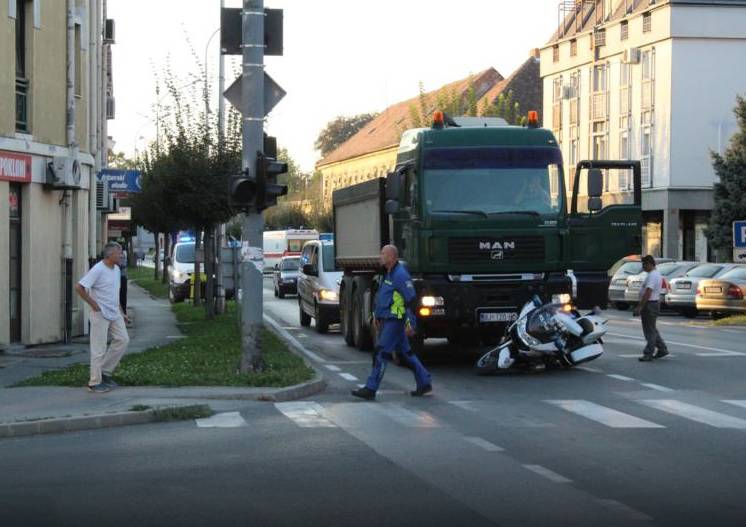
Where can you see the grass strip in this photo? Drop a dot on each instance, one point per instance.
(145, 279)
(735, 320)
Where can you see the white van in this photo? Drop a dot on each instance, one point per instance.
(285, 243)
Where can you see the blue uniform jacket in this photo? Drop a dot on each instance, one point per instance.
(396, 289)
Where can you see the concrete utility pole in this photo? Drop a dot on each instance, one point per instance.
(220, 231)
(252, 266)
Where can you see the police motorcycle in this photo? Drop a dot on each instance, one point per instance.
(546, 336)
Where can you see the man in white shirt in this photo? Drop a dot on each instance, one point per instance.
(649, 309)
(100, 289)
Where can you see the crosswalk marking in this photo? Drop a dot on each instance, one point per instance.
(306, 414)
(222, 420)
(601, 414)
(657, 387)
(549, 474)
(415, 419)
(332, 367)
(348, 377)
(483, 444)
(741, 403)
(695, 413)
(464, 405)
(621, 508)
(620, 377)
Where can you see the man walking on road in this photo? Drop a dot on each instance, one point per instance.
(394, 322)
(649, 309)
(100, 289)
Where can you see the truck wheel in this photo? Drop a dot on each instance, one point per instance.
(360, 331)
(322, 324)
(305, 320)
(345, 311)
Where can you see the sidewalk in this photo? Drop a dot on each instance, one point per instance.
(154, 324)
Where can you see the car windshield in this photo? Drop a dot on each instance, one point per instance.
(738, 273)
(328, 256)
(630, 268)
(184, 253)
(290, 264)
(493, 180)
(704, 271)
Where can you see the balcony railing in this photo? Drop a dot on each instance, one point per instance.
(22, 113)
(599, 106)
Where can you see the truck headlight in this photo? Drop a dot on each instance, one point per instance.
(179, 277)
(432, 301)
(328, 295)
(562, 298)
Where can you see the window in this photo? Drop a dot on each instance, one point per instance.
(22, 81)
(575, 98)
(625, 93)
(647, 22)
(623, 180)
(78, 63)
(557, 104)
(599, 37)
(599, 96)
(646, 149)
(599, 140)
(608, 9)
(624, 30)
(573, 48)
(648, 78)
(555, 53)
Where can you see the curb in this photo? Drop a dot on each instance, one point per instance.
(87, 422)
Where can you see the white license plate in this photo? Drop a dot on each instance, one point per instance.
(498, 317)
(683, 286)
(713, 289)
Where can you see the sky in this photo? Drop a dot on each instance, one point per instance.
(341, 57)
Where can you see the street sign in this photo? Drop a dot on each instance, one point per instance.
(120, 181)
(739, 234)
(739, 255)
(273, 93)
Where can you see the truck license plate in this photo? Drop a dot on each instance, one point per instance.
(498, 317)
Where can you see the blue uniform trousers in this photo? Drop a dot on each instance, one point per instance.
(393, 338)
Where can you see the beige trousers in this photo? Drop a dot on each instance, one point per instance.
(103, 360)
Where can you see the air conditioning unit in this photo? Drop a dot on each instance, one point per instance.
(631, 56)
(110, 108)
(63, 172)
(568, 92)
(102, 195)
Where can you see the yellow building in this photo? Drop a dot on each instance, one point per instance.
(51, 118)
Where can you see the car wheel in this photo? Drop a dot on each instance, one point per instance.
(305, 319)
(621, 306)
(322, 324)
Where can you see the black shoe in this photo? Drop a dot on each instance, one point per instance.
(661, 354)
(108, 381)
(646, 358)
(419, 392)
(364, 393)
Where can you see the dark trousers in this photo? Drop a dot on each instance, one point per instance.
(391, 339)
(123, 293)
(649, 316)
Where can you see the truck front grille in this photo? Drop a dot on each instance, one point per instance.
(483, 250)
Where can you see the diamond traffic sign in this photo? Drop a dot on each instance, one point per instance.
(273, 93)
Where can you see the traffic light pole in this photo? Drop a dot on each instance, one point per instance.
(252, 94)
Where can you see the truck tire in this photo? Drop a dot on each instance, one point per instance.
(322, 324)
(305, 320)
(362, 337)
(345, 311)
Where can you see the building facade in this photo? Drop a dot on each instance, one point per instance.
(654, 80)
(52, 121)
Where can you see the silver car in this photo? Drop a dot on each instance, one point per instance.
(622, 270)
(669, 270)
(725, 294)
(682, 295)
(318, 285)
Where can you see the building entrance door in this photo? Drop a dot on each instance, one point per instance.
(15, 263)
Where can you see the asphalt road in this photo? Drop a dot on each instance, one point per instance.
(617, 443)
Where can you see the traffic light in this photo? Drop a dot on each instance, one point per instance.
(267, 171)
(243, 190)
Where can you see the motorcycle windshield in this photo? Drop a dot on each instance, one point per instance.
(541, 324)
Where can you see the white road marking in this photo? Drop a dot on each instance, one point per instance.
(657, 387)
(601, 414)
(464, 405)
(484, 444)
(302, 336)
(740, 403)
(695, 413)
(638, 355)
(348, 377)
(549, 474)
(222, 420)
(698, 346)
(621, 508)
(620, 377)
(332, 367)
(414, 419)
(306, 414)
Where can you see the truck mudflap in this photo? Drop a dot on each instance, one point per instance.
(481, 305)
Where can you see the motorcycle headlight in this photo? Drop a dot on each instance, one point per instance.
(432, 301)
(562, 298)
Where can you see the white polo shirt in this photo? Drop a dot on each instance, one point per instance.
(654, 282)
(103, 282)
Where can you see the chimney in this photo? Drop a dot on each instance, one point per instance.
(535, 53)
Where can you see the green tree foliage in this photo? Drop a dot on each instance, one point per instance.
(445, 99)
(339, 130)
(730, 191)
(505, 106)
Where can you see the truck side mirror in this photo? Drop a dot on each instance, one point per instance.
(595, 183)
(391, 206)
(595, 204)
(394, 184)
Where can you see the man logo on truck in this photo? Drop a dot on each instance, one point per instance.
(492, 246)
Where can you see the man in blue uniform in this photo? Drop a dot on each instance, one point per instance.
(394, 322)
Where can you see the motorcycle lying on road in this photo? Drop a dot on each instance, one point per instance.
(546, 336)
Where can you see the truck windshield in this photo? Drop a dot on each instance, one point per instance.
(493, 180)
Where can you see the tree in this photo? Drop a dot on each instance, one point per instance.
(504, 106)
(730, 191)
(120, 160)
(339, 130)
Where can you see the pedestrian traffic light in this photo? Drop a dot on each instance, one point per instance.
(243, 190)
(268, 190)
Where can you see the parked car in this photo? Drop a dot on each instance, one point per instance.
(318, 285)
(626, 267)
(724, 294)
(669, 270)
(682, 295)
(285, 277)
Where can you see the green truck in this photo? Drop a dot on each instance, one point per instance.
(483, 221)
